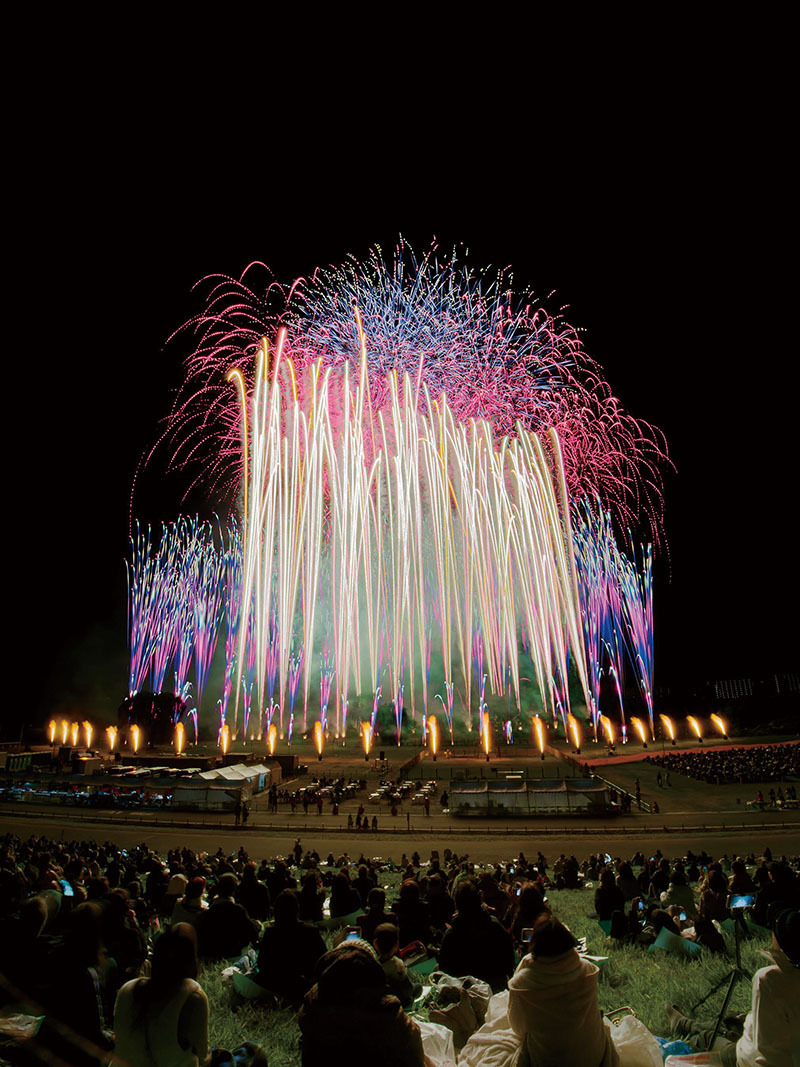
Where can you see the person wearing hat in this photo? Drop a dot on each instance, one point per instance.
(771, 1032)
(347, 1017)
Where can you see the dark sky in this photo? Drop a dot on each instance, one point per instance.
(663, 236)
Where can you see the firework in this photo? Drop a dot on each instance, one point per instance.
(51, 731)
(668, 727)
(366, 738)
(639, 727)
(694, 726)
(407, 455)
(433, 736)
(318, 738)
(272, 738)
(88, 730)
(180, 737)
(720, 724)
(538, 727)
(111, 734)
(136, 736)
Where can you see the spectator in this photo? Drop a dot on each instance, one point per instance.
(413, 917)
(347, 1017)
(376, 915)
(679, 894)
(529, 906)
(552, 1003)
(386, 943)
(476, 943)
(344, 897)
(289, 951)
(225, 928)
(253, 895)
(608, 897)
(311, 898)
(163, 1019)
(771, 1031)
(191, 906)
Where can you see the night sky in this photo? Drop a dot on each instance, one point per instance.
(664, 244)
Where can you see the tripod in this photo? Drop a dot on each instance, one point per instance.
(734, 974)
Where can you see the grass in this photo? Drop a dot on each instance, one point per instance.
(633, 976)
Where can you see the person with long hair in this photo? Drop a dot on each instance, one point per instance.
(162, 1021)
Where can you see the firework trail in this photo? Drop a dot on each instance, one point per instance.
(461, 332)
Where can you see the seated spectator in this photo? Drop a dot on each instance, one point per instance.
(659, 882)
(253, 895)
(608, 897)
(494, 897)
(771, 1031)
(289, 951)
(627, 882)
(376, 915)
(163, 1019)
(191, 906)
(399, 983)
(529, 906)
(77, 996)
(311, 898)
(413, 917)
(679, 894)
(440, 904)
(225, 929)
(476, 943)
(348, 1018)
(783, 887)
(344, 898)
(705, 932)
(553, 1006)
(741, 884)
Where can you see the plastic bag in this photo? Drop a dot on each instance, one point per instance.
(697, 1059)
(634, 1043)
(437, 1044)
(479, 992)
(458, 1016)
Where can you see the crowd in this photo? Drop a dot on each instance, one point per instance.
(765, 763)
(105, 943)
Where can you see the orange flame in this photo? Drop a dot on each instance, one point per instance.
(575, 730)
(433, 734)
(111, 734)
(272, 738)
(88, 731)
(180, 737)
(51, 731)
(64, 731)
(366, 736)
(695, 725)
(486, 738)
(136, 734)
(538, 726)
(75, 729)
(667, 724)
(318, 737)
(720, 724)
(225, 739)
(608, 729)
(638, 726)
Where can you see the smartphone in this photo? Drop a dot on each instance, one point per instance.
(519, 891)
(608, 858)
(683, 916)
(641, 905)
(527, 933)
(352, 932)
(66, 888)
(743, 901)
